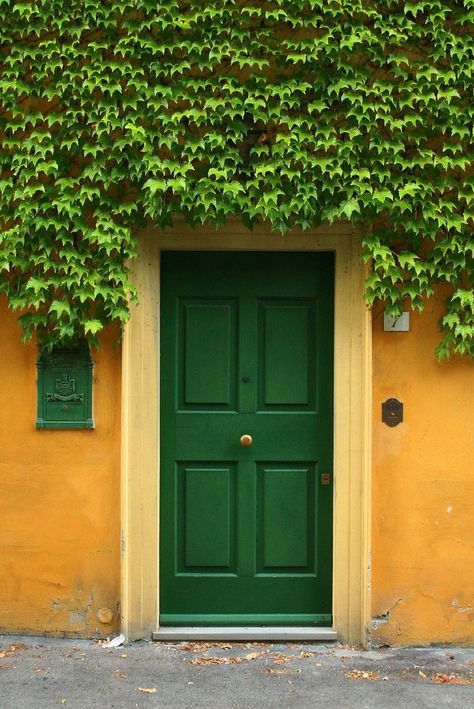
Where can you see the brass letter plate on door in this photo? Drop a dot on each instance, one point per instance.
(65, 388)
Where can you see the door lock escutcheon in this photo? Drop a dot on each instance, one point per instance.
(325, 479)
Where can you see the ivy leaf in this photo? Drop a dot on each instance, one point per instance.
(350, 207)
(60, 308)
(92, 326)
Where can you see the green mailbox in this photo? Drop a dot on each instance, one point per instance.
(65, 388)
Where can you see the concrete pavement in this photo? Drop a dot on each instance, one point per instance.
(44, 673)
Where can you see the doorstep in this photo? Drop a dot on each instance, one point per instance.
(245, 634)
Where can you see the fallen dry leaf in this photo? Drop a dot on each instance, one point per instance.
(195, 647)
(215, 661)
(279, 658)
(120, 675)
(422, 674)
(282, 671)
(230, 660)
(277, 671)
(253, 655)
(12, 650)
(203, 646)
(363, 674)
(147, 690)
(306, 654)
(453, 678)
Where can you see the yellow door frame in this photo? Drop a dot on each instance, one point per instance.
(352, 419)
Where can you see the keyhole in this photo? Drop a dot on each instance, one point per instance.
(245, 380)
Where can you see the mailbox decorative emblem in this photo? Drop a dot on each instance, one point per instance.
(65, 388)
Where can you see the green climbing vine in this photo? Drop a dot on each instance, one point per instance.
(295, 112)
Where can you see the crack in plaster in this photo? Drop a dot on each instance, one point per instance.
(378, 620)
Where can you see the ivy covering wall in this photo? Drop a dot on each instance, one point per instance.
(114, 113)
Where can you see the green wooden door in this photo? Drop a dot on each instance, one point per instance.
(246, 349)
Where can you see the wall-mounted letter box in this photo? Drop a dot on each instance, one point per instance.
(65, 388)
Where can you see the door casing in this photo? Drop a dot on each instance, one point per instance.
(352, 419)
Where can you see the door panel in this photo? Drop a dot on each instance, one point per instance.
(285, 492)
(246, 349)
(207, 501)
(287, 331)
(207, 335)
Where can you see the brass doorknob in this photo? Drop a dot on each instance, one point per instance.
(246, 440)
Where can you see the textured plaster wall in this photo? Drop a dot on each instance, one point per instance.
(59, 501)
(423, 489)
(60, 495)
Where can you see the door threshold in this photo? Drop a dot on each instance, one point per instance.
(246, 633)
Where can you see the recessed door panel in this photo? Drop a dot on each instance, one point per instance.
(286, 517)
(287, 346)
(207, 351)
(246, 410)
(206, 502)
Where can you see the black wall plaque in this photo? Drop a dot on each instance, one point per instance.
(392, 412)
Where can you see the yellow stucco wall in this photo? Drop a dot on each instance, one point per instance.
(60, 497)
(423, 489)
(59, 501)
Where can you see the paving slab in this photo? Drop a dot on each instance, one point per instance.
(44, 673)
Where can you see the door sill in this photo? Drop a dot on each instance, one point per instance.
(245, 634)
